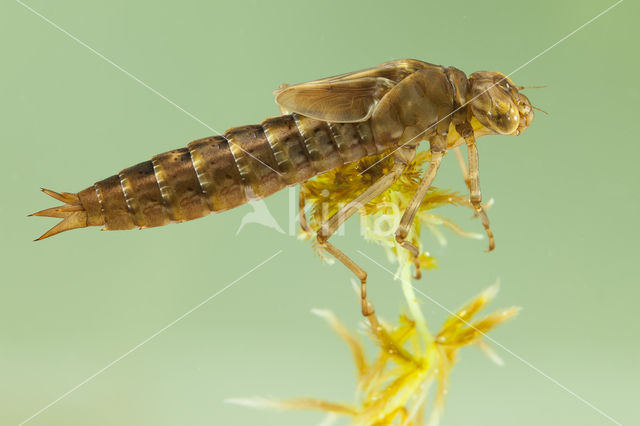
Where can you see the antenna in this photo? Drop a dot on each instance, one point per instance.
(539, 109)
(531, 87)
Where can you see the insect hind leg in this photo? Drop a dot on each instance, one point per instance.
(367, 307)
(437, 152)
(402, 158)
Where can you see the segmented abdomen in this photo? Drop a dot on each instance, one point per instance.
(221, 172)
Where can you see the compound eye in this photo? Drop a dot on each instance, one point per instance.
(495, 109)
(506, 116)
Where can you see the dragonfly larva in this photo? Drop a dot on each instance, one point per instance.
(330, 122)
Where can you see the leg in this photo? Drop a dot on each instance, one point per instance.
(402, 158)
(304, 224)
(463, 167)
(437, 152)
(465, 176)
(303, 217)
(475, 195)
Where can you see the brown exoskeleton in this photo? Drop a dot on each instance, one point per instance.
(330, 122)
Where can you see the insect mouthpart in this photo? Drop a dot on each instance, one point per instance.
(525, 109)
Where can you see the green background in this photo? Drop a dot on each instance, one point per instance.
(565, 216)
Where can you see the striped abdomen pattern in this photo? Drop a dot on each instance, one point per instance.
(221, 172)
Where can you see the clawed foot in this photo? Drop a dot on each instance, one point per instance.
(415, 255)
(485, 223)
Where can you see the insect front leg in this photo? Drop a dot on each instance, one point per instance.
(475, 195)
(463, 167)
(437, 152)
(402, 158)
